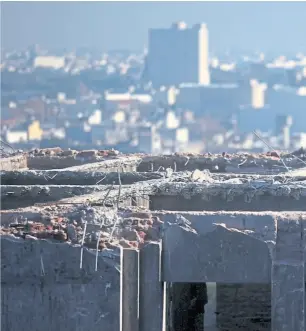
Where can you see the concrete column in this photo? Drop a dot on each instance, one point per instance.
(129, 290)
(288, 280)
(151, 290)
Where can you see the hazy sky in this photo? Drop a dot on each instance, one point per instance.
(267, 26)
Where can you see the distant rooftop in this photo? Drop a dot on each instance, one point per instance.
(194, 85)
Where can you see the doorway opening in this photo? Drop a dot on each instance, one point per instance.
(218, 307)
(191, 306)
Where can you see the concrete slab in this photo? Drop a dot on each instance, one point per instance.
(256, 196)
(69, 177)
(74, 163)
(13, 196)
(238, 163)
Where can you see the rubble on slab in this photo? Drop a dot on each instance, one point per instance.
(87, 188)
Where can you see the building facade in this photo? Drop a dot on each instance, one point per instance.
(178, 55)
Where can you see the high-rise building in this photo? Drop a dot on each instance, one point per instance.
(178, 55)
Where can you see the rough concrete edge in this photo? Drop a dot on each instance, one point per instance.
(228, 191)
(260, 234)
(107, 255)
(105, 164)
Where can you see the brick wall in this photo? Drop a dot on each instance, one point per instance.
(244, 307)
(13, 163)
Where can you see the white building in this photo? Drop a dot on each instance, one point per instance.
(54, 62)
(15, 137)
(95, 118)
(178, 55)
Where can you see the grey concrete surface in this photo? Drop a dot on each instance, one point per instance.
(249, 254)
(288, 276)
(69, 177)
(129, 290)
(197, 244)
(151, 288)
(237, 163)
(222, 255)
(44, 288)
(252, 196)
(181, 163)
(14, 196)
(197, 203)
(97, 163)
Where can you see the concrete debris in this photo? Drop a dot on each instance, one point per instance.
(169, 172)
(233, 181)
(71, 233)
(201, 176)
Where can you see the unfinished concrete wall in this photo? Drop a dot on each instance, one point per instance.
(44, 288)
(259, 296)
(13, 163)
(218, 254)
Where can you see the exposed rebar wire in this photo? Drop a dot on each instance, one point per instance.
(99, 181)
(82, 245)
(42, 266)
(8, 145)
(107, 194)
(119, 191)
(271, 149)
(113, 229)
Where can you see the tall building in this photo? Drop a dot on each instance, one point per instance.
(178, 55)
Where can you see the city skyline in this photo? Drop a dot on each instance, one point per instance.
(239, 26)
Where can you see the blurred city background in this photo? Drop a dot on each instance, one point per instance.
(154, 77)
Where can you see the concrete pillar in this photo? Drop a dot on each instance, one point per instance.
(288, 280)
(151, 288)
(129, 290)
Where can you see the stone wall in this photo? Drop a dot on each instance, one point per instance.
(44, 288)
